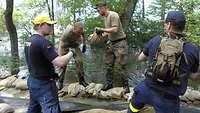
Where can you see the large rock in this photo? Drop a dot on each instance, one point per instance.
(5, 108)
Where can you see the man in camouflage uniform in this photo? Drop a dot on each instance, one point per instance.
(116, 48)
(71, 39)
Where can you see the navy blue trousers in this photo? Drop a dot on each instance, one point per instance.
(144, 95)
(43, 96)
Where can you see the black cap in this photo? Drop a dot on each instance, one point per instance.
(100, 5)
(177, 17)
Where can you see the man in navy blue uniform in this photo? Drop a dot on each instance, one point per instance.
(41, 58)
(165, 98)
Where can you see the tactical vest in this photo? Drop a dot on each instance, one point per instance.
(166, 62)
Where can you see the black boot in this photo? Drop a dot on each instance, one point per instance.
(82, 81)
(126, 87)
(107, 86)
(109, 80)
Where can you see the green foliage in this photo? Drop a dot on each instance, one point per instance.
(142, 31)
(24, 37)
(193, 20)
(159, 8)
(91, 23)
(2, 21)
(193, 28)
(27, 11)
(5, 61)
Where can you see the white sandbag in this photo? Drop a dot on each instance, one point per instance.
(8, 82)
(21, 84)
(5, 108)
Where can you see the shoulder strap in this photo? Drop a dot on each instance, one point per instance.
(184, 40)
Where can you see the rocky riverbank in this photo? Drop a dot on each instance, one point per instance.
(17, 88)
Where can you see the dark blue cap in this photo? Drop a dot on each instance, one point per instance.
(177, 17)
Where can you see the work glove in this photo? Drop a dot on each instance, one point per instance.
(84, 48)
(73, 51)
(99, 30)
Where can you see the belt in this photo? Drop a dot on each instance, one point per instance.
(118, 40)
(43, 78)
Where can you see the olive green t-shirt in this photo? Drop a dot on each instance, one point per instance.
(113, 20)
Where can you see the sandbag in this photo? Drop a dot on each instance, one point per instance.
(97, 39)
(8, 82)
(21, 84)
(5, 108)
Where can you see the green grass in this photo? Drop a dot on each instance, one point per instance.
(5, 61)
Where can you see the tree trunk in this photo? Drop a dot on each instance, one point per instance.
(129, 8)
(143, 9)
(51, 15)
(49, 9)
(13, 37)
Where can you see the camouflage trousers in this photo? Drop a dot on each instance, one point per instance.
(116, 56)
(78, 63)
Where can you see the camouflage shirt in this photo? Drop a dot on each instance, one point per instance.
(70, 39)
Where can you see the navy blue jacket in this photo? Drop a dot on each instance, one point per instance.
(41, 54)
(192, 55)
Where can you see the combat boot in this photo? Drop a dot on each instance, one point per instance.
(126, 87)
(82, 81)
(109, 79)
(107, 86)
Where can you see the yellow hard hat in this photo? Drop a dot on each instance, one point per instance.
(43, 19)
